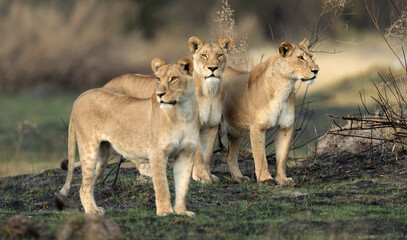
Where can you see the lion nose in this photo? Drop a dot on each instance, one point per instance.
(213, 68)
(315, 71)
(160, 94)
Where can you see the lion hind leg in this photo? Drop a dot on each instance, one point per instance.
(144, 169)
(104, 155)
(257, 140)
(234, 144)
(88, 155)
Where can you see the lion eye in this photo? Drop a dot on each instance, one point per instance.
(301, 58)
(204, 56)
(174, 78)
(220, 55)
(158, 79)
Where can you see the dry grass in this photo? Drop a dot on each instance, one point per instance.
(44, 43)
(80, 44)
(334, 6)
(398, 29)
(26, 167)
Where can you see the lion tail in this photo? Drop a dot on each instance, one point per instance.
(63, 193)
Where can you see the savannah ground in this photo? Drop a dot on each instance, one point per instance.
(351, 197)
(345, 196)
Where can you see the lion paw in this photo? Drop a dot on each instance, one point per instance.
(163, 213)
(202, 178)
(268, 182)
(185, 213)
(284, 181)
(243, 179)
(214, 178)
(97, 210)
(188, 213)
(100, 210)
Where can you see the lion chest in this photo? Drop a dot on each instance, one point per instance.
(286, 117)
(276, 113)
(210, 111)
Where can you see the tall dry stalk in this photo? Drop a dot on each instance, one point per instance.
(225, 27)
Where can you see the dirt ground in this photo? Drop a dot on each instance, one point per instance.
(35, 193)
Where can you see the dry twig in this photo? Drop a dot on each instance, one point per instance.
(330, 12)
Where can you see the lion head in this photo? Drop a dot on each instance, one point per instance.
(174, 82)
(210, 58)
(297, 62)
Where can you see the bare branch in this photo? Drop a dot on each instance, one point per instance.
(331, 10)
(376, 24)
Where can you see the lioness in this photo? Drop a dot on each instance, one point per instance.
(210, 61)
(261, 100)
(105, 122)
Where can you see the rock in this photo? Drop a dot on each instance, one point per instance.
(346, 141)
(19, 225)
(89, 227)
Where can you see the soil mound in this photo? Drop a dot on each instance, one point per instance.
(89, 227)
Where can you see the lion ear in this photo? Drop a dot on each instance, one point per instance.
(305, 43)
(194, 44)
(186, 65)
(286, 49)
(156, 63)
(226, 43)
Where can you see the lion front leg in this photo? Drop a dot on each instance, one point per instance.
(182, 174)
(202, 172)
(257, 140)
(283, 141)
(158, 164)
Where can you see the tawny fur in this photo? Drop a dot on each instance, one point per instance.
(105, 122)
(263, 99)
(210, 61)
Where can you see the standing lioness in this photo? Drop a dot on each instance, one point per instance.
(261, 100)
(105, 122)
(210, 61)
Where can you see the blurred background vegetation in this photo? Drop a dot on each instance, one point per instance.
(51, 50)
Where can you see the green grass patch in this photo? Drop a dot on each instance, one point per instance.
(32, 134)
